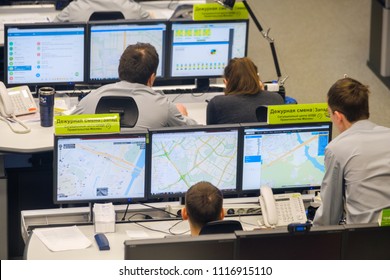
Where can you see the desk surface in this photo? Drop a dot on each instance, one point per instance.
(36, 250)
(41, 139)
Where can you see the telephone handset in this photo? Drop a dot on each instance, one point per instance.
(15, 102)
(281, 209)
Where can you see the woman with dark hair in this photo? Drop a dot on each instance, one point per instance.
(244, 93)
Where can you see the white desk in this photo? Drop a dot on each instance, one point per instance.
(35, 249)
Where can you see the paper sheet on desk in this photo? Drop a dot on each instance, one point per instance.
(63, 238)
(138, 234)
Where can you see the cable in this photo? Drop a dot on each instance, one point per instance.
(173, 233)
(124, 215)
(146, 216)
(13, 118)
(159, 209)
(152, 229)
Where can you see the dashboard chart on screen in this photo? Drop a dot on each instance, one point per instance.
(99, 167)
(184, 157)
(45, 53)
(203, 49)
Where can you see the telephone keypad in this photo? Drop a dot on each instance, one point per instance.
(290, 209)
(18, 103)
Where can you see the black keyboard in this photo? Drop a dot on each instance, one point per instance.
(193, 90)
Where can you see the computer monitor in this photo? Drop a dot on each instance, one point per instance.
(202, 49)
(108, 40)
(366, 242)
(44, 53)
(204, 247)
(320, 243)
(99, 167)
(287, 157)
(181, 157)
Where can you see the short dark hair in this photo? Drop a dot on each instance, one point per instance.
(203, 203)
(350, 97)
(137, 63)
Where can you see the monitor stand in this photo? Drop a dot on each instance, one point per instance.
(90, 212)
(202, 84)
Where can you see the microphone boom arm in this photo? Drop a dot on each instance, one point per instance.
(267, 37)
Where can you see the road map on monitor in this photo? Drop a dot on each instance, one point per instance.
(180, 160)
(284, 159)
(100, 169)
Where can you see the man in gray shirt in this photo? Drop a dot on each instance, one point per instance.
(137, 72)
(356, 185)
(81, 10)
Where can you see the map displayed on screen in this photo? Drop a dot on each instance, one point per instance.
(109, 41)
(99, 169)
(284, 159)
(180, 160)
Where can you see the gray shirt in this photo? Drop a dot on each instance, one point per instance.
(155, 110)
(358, 161)
(81, 10)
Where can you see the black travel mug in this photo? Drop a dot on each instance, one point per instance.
(46, 106)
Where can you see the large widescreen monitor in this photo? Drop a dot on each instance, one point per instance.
(184, 156)
(44, 53)
(202, 49)
(108, 40)
(284, 157)
(99, 167)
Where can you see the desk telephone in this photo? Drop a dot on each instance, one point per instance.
(14, 102)
(281, 209)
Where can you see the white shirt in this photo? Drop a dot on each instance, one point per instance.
(81, 10)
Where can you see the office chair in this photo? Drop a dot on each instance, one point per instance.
(222, 226)
(125, 106)
(261, 113)
(106, 15)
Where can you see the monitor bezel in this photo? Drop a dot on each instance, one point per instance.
(45, 25)
(189, 129)
(299, 189)
(162, 59)
(130, 134)
(190, 22)
(173, 247)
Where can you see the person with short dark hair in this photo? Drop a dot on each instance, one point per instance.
(81, 10)
(203, 204)
(137, 72)
(244, 93)
(356, 184)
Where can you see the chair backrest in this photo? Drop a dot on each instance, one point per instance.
(106, 15)
(222, 226)
(125, 106)
(262, 113)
